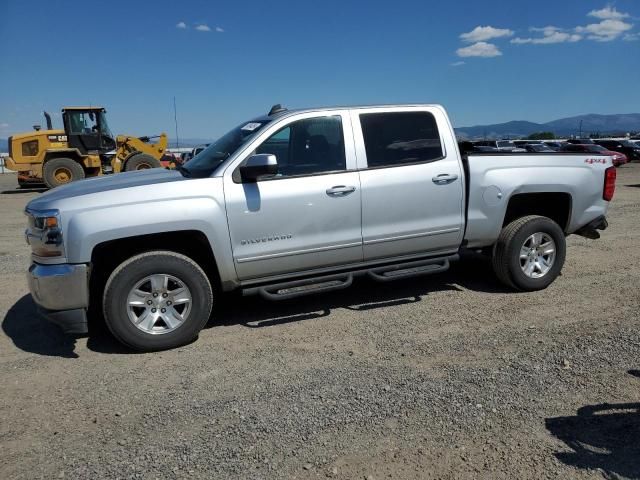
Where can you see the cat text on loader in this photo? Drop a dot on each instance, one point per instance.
(85, 148)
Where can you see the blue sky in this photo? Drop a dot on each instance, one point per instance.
(486, 62)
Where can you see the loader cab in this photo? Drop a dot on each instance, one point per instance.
(87, 129)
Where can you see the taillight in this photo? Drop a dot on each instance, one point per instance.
(609, 183)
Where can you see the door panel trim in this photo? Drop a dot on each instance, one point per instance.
(298, 252)
(412, 235)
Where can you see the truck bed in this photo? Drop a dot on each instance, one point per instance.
(494, 181)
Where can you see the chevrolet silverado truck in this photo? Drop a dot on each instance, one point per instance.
(298, 202)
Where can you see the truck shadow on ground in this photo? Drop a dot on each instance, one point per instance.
(604, 436)
(473, 273)
(30, 332)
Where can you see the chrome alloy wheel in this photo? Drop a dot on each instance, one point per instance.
(159, 303)
(537, 255)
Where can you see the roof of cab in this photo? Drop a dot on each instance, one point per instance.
(94, 107)
(351, 107)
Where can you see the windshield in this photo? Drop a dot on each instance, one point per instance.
(627, 143)
(595, 148)
(104, 126)
(205, 162)
(506, 143)
(541, 148)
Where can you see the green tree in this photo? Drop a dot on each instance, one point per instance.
(542, 136)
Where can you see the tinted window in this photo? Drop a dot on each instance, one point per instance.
(400, 138)
(307, 147)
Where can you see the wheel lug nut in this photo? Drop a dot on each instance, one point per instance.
(155, 294)
(149, 302)
(153, 310)
(163, 310)
(164, 295)
(169, 302)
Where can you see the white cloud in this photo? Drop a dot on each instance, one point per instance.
(203, 27)
(457, 64)
(219, 29)
(608, 13)
(181, 25)
(481, 33)
(605, 31)
(4, 125)
(479, 49)
(631, 37)
(550, 34)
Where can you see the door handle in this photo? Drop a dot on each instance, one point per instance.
(340, 190)
(444, 178)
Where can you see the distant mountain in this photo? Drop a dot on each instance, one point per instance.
(591, 123)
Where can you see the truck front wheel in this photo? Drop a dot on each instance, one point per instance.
(157, 300)
(529, 253)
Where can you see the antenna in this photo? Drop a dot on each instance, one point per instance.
(175, 119)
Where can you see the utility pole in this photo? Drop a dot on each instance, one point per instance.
(175, 119)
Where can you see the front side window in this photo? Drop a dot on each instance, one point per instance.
(308, 147)
(400, 138)
(82, 123)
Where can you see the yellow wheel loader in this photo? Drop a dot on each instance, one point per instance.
(85, 148)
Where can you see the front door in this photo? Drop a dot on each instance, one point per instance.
(308, 215)
(412, 184)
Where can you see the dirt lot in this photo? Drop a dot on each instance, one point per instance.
(449, 376)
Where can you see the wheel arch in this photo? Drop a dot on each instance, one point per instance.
(191, 243)
(70, 153)
(554, 205)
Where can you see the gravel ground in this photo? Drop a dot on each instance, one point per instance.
(449, 376)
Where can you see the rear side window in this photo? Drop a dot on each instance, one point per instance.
(400, 138)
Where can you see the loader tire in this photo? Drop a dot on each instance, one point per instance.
(141, 161)
(529, 253)
(59, 171)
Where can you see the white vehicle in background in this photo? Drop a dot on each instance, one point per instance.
(501, 145)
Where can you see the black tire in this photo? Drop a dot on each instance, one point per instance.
(59, 171)
(506, 252)
(125, 277)
(141, 161)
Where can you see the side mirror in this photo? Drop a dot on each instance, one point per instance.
(259, 165)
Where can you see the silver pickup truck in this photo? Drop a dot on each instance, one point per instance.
(299, 202)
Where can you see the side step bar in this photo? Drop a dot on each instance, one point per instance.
(286, 290)
(407, 270)
(327, 283)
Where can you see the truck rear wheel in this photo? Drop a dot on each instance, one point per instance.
(59, 171)
(157, 300)
(141, 161)
(529, 253)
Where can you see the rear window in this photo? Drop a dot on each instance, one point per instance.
(400, 138)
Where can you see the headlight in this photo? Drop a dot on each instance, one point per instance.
(44, 233)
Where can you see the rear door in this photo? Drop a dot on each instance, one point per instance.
(412, 182)
(307, 216)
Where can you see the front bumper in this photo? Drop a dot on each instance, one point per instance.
(62, 293)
